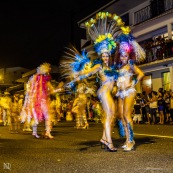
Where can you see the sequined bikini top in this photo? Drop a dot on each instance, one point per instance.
(124, 72)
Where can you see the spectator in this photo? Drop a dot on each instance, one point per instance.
(167, 107)
(137, 112)
(171, 108)
(153, 106)
(145, 108)
(160, 103)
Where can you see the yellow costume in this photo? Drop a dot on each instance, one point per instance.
(5, 105)
(80, 106)
(14, 126)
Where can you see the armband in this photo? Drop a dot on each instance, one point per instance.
(131, 62)
(134, 82)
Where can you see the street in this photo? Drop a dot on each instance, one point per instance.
(73, 150)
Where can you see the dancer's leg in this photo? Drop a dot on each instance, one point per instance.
(127, 114)
(34, 130)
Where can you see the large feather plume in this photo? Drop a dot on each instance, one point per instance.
(73, 62)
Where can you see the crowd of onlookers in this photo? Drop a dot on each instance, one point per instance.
(157, 49)
(154, 108)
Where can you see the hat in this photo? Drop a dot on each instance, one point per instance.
(44, 68)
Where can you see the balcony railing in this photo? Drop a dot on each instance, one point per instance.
(154, 9)
(158, 50)
(142, 15)
(168, 4)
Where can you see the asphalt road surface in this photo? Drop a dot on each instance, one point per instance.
(78, 151)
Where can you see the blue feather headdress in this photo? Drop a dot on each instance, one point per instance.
(128, 43)
(73, 62)
(80, 61)
(104, 29)
(107, 45)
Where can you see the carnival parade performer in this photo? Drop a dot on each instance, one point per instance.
(128, 52)
(79, 107)
(26, 126)
(36, 106)
(14, 126)
(5, 105)
(104, 94)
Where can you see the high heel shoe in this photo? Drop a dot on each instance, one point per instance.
(36, 136)
(107, 148)
(86, 126)
(129, 146)
(102, 143)
(48, 136)
(124, 145)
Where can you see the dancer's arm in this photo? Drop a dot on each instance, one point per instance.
(139, 73)
(84, 74)
(87, 73)
(52, 90)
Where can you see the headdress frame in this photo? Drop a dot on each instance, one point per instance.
(103, 30)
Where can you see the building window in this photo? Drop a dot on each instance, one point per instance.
(166, 81)
(146, 84)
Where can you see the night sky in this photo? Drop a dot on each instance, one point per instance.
(35, 32)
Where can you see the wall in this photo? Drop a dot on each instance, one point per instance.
(157, 83)
(138, 88)
(171, 76)
(157, 79)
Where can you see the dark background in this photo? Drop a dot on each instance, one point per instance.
(35, 32)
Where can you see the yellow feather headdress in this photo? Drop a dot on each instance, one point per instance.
(44, 68)
(104, 29)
